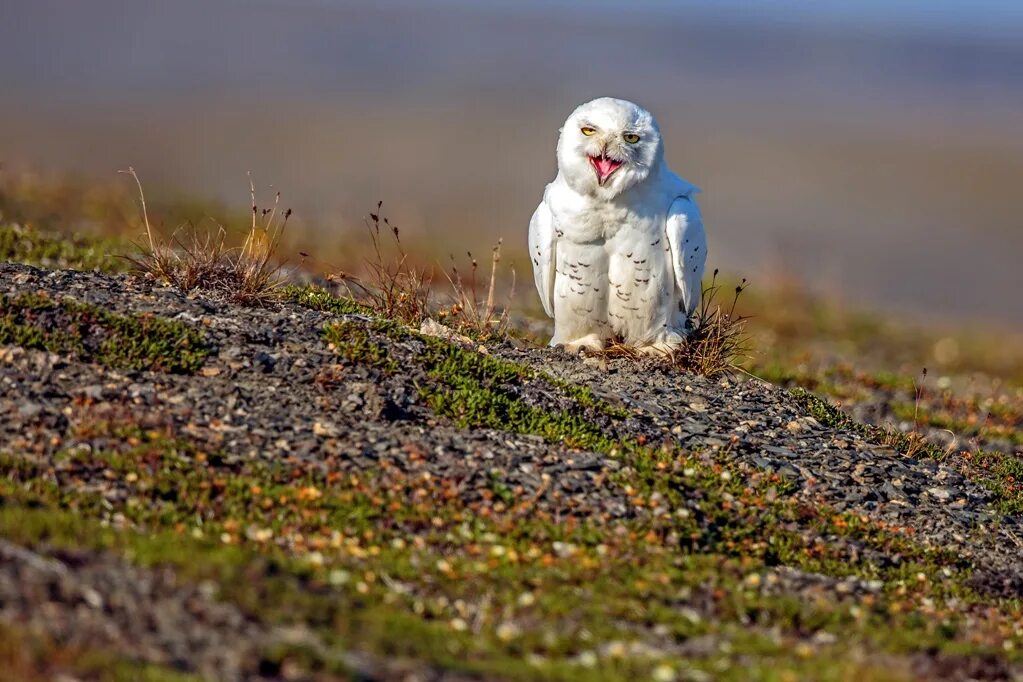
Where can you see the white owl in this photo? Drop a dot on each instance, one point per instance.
(617, 243)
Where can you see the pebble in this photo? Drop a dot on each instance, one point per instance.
(362, 418)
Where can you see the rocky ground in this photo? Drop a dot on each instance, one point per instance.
(307, 492)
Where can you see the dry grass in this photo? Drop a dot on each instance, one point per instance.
(247, 275)
(719, 340)
(396, 287)
(911, 444)
(471, 312)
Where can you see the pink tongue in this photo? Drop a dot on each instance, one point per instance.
(605, 166)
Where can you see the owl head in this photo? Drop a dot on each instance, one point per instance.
(609, 146)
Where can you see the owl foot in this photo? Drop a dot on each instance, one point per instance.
(658, 349)
(590, 342)
(666, 345)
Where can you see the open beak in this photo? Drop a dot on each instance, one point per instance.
(605, 167)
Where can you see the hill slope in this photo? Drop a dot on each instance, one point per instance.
(309, 492)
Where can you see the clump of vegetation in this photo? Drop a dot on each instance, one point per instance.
(248, 275)
(469, 314)
(354, 342)
(397, 288)
(324, 301)
(135, 342)
(24, 244)
(719, 340)
(1001, 474)
(477, 390)
(394, 287)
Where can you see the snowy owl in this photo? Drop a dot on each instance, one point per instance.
(617, 243)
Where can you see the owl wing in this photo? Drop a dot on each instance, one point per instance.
(541, 251)
(688, 244)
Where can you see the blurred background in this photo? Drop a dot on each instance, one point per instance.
(865, 149)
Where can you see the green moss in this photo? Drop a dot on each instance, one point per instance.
(1002, 475)
(480, 391)
(353, 342)
(324, 301)
(586, 397)
(21, 244)
(474, 389)
(825, 412)
(134, 342)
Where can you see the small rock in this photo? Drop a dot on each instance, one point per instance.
(92, 598)
(264, 361)
(431, 327)
(93, 392)
(30, 410)
(942, 493)
(324, 429)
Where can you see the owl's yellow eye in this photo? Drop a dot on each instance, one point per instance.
(587, 131)
(631, 138)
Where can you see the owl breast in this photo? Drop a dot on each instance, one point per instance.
(641, 284)
(614, 276)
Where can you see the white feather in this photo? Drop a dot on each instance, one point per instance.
(688, 250)
(541, 253)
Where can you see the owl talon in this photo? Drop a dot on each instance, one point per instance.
(590, 342)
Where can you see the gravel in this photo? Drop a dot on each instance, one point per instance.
(272, 389)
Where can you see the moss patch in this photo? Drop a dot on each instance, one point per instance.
(354, 343)
(477, 390)
(22, 244)
(324, 301)
(480, 391)
(133, 342)
(1002, 475)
